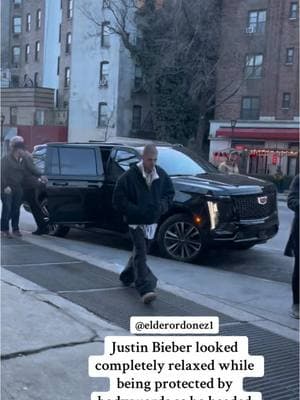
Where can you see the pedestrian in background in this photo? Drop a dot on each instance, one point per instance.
(292, 247)
(32, 183)
(12, 175)
(142, 194)
(230, 166)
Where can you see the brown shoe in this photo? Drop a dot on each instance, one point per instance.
(17, 233)
(6, 234)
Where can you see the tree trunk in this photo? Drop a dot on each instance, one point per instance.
(201, 130)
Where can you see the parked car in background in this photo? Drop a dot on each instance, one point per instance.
(209, 207)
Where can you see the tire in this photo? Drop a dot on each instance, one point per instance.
(54, 229)
(179, 238)
(58, 230)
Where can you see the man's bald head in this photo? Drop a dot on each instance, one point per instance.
(149, 157)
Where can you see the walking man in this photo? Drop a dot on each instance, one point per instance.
(12, 174)
(32, 183)
(142, 194)
(292, 247)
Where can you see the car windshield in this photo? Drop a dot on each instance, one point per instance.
(182, 162)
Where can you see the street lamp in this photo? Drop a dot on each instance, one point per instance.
(233, 125)
(2, 133)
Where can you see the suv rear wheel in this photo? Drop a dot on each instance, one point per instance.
(179, 238)
(54, 229)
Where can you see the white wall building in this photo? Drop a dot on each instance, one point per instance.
(102, 77)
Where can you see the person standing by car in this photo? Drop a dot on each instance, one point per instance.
(12, 174)
(32, 182)
(142, 194)
(292, 247)
(230, 166)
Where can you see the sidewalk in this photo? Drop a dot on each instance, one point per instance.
(283, 196)
(57, 309)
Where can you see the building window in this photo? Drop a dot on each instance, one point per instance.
(250, 108)
(17, 3)
(28, 22)
(104, 72)
(58, 65)
(39, 117)
(37, 51)
(105, 3)
(70, 9)
(136, 117)
(67, 77)
(16, 54)
(68, 42)
(27, 81)
(13, 113)
(17, 24)
(294, 10)
(253, 67)
(289, 55)
(102, 115)
(59, 34)
(15, 81)
(286, 100)
(27, 52)
(138, 77)
(105, 32)
(36, 79)
(256, 21)
(38, 19)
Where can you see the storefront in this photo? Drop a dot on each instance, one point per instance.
(261, 150)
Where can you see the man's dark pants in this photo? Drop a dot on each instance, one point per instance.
(137, 270)
(30, 195)
(11, 204)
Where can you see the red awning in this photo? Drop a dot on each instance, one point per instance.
(286, 134)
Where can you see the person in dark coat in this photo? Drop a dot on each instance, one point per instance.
(142, 194)
(32, 182)
(292, 247)
(12, 174)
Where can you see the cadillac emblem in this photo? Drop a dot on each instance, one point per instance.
(262, 200)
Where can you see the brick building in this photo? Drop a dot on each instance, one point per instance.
(259, 63)
(53, 44)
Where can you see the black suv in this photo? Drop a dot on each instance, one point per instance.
(209, 207)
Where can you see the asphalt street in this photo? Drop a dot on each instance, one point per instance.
(264, 261)
(62, 297)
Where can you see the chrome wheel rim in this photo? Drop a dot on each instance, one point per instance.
(182, 240)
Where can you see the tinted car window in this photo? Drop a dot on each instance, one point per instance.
(77, 161)
(125, 158)
(180, 162)
(54, 162)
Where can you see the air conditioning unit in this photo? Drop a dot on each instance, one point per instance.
(103, 82)
(250, 29)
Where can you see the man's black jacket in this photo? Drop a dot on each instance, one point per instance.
(137, 202)
(293, 203)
